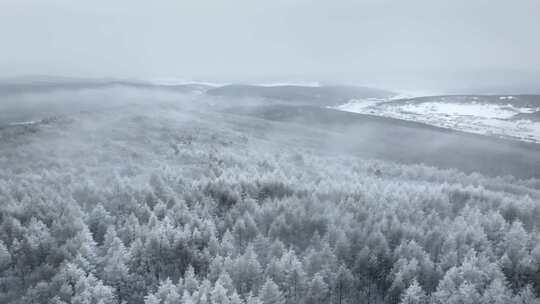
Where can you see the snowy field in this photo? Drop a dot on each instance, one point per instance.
(475, 117)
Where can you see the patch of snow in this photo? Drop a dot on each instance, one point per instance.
(475, 109)
(474, 117)
(357, 105)
(291, 83)
(408, 94)
(23, 123)
(181, 81)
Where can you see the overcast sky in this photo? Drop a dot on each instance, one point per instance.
(417, 44)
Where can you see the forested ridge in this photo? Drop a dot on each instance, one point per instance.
(171, 204)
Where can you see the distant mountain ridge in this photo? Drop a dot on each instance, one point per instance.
(319, 95)
(510, 116)
(19, 86)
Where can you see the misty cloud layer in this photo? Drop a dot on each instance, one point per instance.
(419, 44)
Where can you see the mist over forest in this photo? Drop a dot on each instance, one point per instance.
(269, 152)
(131, 193)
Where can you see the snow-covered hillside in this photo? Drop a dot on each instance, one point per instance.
(490, 115)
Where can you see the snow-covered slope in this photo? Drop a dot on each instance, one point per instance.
(503, 116)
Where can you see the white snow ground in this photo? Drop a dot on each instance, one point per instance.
(473, 117)
(23, 123)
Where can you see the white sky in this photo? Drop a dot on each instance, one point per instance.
(414, 43)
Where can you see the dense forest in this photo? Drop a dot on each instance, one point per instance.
(163, 204)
